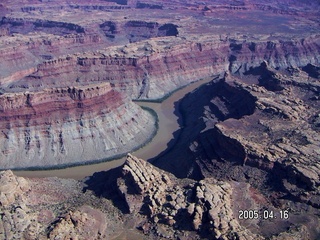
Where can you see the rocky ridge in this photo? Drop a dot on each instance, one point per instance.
(203, 206)
(157, 205)
(260, 128)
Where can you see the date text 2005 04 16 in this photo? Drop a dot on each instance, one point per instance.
(264, 214)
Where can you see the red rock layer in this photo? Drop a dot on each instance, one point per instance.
(66, 126)
(160, 71)
(61, 104)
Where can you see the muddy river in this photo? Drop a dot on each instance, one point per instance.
(168, 124)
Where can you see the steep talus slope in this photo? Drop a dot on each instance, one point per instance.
(66, 126)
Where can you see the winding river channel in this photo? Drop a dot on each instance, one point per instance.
(168, 124)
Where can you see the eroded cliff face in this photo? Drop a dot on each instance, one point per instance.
(277, 53)
(66, 126)
(151, 70)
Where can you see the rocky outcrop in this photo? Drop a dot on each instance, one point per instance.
(185, 205)
(51, 209)
(216, 102)
(136, 30)
(160, 206)
(167, 207)
(69, 126)
(24, 26)
(272, 146)
(4, 31)
(287, 145)
(139, 30)
(11, 187)
(149, 6)
(85, 223)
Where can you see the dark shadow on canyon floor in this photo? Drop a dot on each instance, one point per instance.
(104, 184)
(198, 112)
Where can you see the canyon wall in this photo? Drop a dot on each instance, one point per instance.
(149, 71)
(144, 70)
(65, 126)
(51, 48)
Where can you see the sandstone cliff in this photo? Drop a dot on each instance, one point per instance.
(66, 126)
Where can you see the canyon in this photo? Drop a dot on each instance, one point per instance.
(76, 84)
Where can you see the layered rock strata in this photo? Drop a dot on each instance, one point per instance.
(66, 126)
(250, 141)
(50, 44)
(150, 70)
